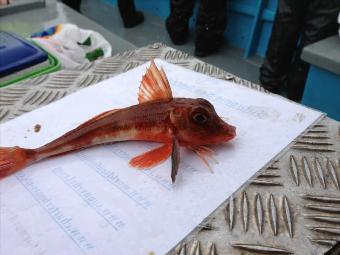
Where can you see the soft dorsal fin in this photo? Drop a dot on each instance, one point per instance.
(98, 117)
(154, 85)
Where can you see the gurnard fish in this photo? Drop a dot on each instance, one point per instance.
(173, 122)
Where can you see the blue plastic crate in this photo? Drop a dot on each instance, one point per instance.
(17, 54)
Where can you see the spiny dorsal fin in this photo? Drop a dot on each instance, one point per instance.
(154, 86)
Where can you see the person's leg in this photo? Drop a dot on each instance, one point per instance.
(130, 16)
(320, 22)
(177, 24)
(282, 44)
(210, 26)
(74, 4)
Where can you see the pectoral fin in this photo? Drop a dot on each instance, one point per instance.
(152, 158)
(156, 156)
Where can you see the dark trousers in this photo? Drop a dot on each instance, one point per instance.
(211, 19)
(297, 24)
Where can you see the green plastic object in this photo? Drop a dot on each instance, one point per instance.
(95, 54)
(54, 65)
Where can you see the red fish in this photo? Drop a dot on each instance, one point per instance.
(174, 122)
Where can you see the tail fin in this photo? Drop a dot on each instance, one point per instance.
(12, 159)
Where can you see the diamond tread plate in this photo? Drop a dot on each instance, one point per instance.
(291, 206)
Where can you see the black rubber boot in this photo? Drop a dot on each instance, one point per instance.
(178, 30)
(206, 44)
(130, 16)
(210, 26)
(177, 24)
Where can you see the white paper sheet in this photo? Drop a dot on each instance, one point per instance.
(92, 202)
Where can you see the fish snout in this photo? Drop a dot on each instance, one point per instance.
(230, 131)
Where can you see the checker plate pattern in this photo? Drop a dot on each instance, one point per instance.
(291, 207)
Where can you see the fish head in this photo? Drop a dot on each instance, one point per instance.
(196, 123)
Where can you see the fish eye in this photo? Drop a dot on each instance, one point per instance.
(200, 118)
